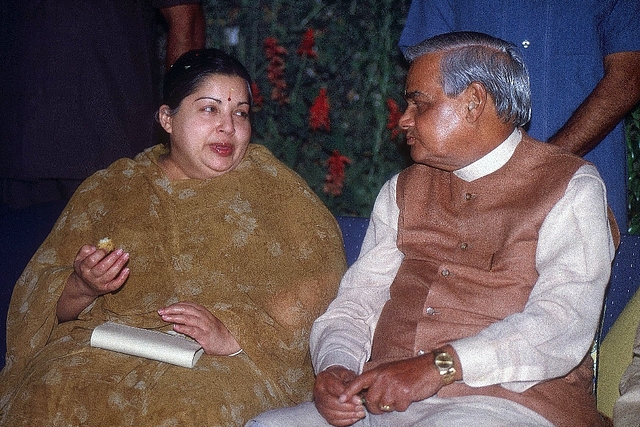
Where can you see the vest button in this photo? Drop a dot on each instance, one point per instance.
(420, 353)
(468, 196)
(445, 272)
(430, 311)
(464, 245)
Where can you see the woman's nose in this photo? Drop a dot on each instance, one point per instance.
(226, 124)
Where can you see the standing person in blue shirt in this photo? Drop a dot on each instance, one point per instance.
(584, 64)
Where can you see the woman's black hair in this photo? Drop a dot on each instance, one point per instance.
(185, 74)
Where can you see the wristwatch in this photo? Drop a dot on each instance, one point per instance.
(445, 365)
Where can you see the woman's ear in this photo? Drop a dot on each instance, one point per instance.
(165, 118)
(475, 96)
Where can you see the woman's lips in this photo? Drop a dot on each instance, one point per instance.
(222, 149)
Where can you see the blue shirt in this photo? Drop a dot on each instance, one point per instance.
(563, 44)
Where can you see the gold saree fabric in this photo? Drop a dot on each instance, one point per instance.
(255, 246)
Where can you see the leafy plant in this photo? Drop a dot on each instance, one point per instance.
(329, 77)
(296, 51)
(633, 165)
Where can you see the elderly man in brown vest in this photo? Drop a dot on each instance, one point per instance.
(478, 290)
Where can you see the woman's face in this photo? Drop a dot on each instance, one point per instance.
(210, 132)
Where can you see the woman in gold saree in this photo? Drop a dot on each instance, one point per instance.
(215, 239)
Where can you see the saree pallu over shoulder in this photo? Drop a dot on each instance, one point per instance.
(255, 246)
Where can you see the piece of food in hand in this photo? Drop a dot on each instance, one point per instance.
(106, 244)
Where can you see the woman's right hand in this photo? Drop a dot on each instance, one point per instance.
(99, 272)
(95, 273)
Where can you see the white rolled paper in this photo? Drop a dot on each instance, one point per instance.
(147, 343)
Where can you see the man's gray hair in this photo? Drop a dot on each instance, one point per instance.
(476, 57)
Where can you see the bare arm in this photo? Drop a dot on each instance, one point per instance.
(614, 96)
(187, 30)
(95, 273)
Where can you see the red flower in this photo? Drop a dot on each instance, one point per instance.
(307, 45)
(275, 70)
(334, 181)
(319, 112)
(393, 122)
(258, 100)
(272, 48)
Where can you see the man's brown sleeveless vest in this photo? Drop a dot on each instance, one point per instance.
(469, 261)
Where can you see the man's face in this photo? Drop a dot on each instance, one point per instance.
(436, 125)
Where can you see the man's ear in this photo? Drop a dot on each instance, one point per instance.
(475, 97)
(165, 118)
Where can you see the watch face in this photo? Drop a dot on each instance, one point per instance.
(444, 361)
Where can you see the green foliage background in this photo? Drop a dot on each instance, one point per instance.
(633, 144)
(358, 63)
(361, 67)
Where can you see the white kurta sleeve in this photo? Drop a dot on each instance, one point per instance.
(343, 334)
(556, 329)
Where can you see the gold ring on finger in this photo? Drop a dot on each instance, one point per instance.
(385, 408)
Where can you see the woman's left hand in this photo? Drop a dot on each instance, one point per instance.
(197, 322)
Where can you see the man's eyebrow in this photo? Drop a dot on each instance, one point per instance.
(414, 94)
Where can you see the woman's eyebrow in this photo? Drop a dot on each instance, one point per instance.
(220, 101)
(209, 97)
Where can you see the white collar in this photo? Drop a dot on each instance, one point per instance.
(492, 161)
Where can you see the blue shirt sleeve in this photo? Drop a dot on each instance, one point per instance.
(621, 29)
